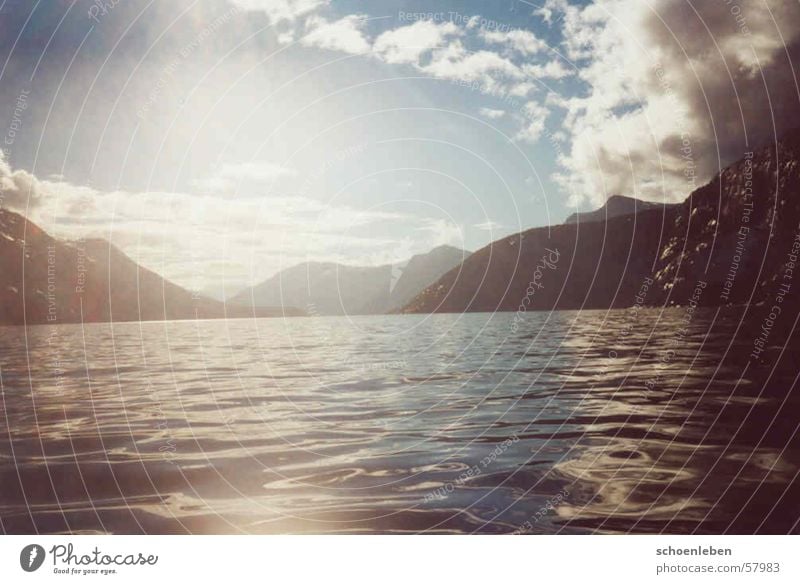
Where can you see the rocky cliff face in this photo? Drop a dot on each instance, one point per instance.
(739, 231)
(733, 241)
(48, 281)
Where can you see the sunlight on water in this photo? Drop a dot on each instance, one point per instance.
(446, 423)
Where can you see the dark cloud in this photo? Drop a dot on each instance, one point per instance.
(741, 96)
(676, 91)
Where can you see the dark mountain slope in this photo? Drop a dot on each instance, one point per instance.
(615, 206)
(569, 266)
(44, 280)
(733, 236)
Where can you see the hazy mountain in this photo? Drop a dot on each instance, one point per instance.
(722, 245)
(332, 289)
(44, 280)
(615, 206)
(218, 291)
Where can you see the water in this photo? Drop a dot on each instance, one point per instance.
(579, 422)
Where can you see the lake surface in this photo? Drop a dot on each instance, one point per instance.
(601, 421)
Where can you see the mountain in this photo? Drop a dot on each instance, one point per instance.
(732, 241)
(335, 289)
(615, 206)
(219, 291)
(48, 281)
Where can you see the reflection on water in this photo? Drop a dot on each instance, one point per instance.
(450, 423)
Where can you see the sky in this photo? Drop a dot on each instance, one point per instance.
(219, 141)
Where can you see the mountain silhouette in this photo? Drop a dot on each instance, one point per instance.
(336, 289)
(615, 206)
(49, 281)
(732, 241)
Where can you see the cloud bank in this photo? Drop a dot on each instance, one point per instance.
(676, 90)
(19, 189)
(662, 94)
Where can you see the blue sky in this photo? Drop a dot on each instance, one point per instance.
(227, 139)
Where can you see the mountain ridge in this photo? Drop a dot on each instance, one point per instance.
(752, 204)
(50, 281)
(615, 206)
(330, 288)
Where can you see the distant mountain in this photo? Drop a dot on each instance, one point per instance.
(335, 289)
(615, 206)
(47, 281)
(219, 292)
(734, 241)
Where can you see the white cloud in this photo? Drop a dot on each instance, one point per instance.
(345, 34)
(535, 116)
(521, 89)
(550, 70)
(436, 49)
(551, 8)
(672, 88)
(188, 238)
(281, 10)
(504, 67)
(488, 225)
(285, 38)
(492, 114)
(441, 232)
(18, 188)
(395, 252)
(231, 175)
(485, 67)
(408, 44)
(182, 236)
(517, 40)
